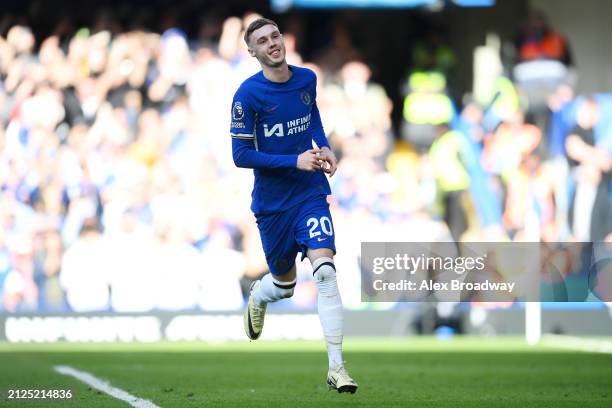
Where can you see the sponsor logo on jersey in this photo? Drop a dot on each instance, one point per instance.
(292, 127)
(237, 111)
(298, 125)
(275, 130)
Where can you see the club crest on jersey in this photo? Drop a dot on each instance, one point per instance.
(305, 98)
(237, 111)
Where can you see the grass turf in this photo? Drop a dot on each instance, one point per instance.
(416, 372)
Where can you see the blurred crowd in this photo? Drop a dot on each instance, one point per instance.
(118, 191)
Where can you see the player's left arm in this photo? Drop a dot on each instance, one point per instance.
(318, 135)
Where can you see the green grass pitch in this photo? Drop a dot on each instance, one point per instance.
(411, 372)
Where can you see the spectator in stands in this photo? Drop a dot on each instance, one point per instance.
(448, 156)
(536, 40)
(85, 270)
(591, 163)
(426, 106)
(486, 199)
(508, 153)
(48, 251)
(340, 51)
(543, 62)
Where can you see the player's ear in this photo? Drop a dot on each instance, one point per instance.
(251, 51)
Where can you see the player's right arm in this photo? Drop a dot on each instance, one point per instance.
(244, 152)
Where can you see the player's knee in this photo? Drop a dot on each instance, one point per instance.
(284, 289)
(324, 273)
(287, 293)
(323, 269)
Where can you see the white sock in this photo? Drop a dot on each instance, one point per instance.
(271, 290)
(329, 306)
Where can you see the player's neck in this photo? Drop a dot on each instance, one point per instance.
(277, 74)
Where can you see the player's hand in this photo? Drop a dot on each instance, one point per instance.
(310, 160)
(328, 157)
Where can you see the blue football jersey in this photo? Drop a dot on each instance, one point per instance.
(272, 123)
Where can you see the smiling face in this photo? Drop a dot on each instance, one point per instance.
(266, 44)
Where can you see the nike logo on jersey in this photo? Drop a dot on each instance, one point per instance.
(321, 239)
(271, 108)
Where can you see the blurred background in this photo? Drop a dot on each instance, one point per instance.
(466, 120)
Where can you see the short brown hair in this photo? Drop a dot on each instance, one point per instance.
(256, 25)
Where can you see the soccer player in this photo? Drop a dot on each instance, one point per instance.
(275, 125)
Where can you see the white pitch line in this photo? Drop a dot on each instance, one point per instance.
(578, 343)
(105, 386)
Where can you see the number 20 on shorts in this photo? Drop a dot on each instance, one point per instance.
(324, 222)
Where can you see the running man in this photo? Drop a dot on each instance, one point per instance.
(276, 130)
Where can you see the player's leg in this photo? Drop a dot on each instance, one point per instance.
(274, 287)
(268, 289)
(280, 250)
(315, 235)
(329, 302)
(329, 307)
